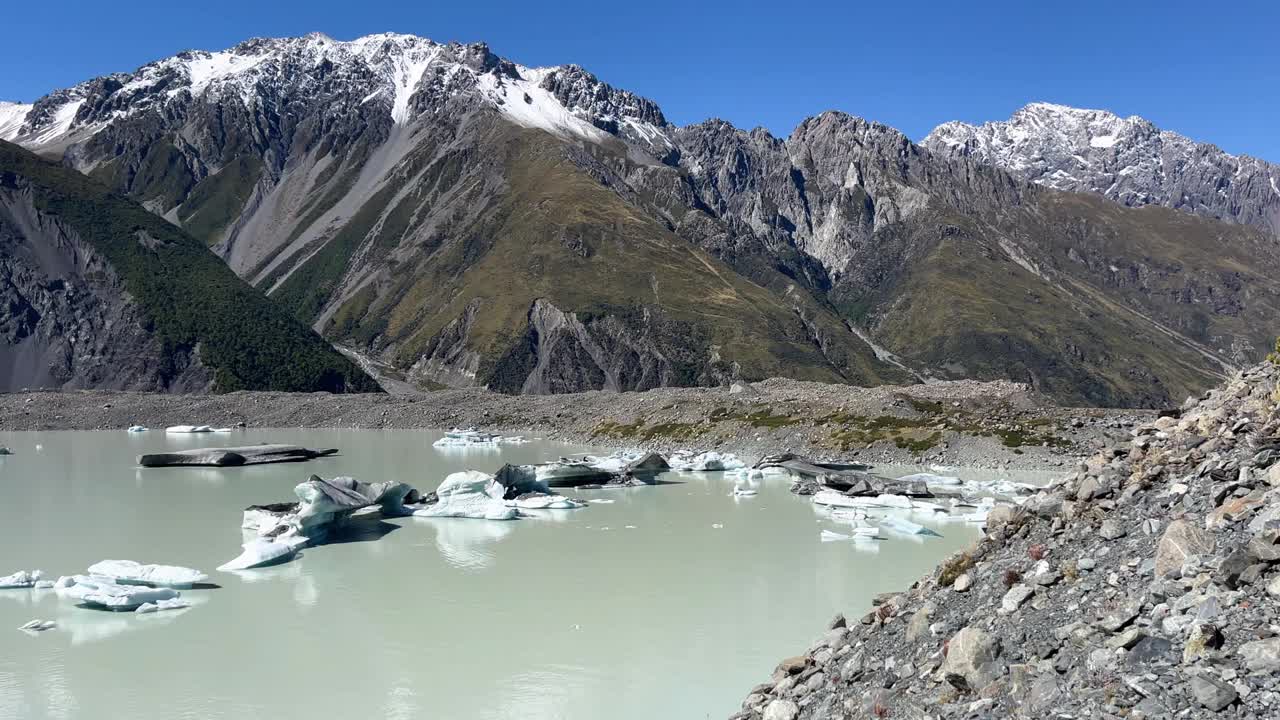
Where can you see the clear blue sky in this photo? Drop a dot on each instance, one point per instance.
(1210, 70)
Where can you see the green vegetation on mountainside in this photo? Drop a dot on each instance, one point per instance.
(557, 234)
(192, 298)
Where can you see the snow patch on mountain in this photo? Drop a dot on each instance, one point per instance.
(526, 103)
(12, 116)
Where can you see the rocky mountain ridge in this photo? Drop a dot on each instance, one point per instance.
(466, 220)
(1128, 160)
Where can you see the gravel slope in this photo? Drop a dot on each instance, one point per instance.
(1143, 585)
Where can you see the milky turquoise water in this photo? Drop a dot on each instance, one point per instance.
(670, 602)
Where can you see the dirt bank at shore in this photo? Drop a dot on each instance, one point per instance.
(955, 423)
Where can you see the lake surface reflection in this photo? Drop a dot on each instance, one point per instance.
(670, 601)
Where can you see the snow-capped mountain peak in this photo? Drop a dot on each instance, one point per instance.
(1127, 159)
(385, 71)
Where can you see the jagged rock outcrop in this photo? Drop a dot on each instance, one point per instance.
(1141, 585)
(1128, 160)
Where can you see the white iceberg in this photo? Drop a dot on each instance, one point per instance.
(544, 501)
(99, 593)
(137, 428)
(470, 494)
(264, 552)
(741, 491)
(711, 461)
(325, 504)
(904, 526)
(458, 437)
(186, 429)
(128, 572)
(859, 534)
(926, 507)
(835, 498)
(322, 505)
(20, 579)
(931, 479)
(36, 626)
(157, 606)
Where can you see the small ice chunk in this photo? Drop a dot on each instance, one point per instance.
(544, 501)
(137, 428)
(904, 526)
(265, 552)
(43, 585)
(829, 536)
(36, 626)
(98, 593)
(716, 526)
(601, 501)
(128, 572)
(157, 606)
(20, 579)
(711, 461)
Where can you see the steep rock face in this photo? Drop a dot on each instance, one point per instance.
(101, 293)
(1128, 160)
(965, 271)
(68, 321)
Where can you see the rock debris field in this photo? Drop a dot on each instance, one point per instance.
(1145, 584)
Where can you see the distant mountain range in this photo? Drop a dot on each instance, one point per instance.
(467, 220)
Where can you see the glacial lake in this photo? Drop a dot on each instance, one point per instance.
(672, 601)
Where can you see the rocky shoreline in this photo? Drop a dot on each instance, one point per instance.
(993, 424)
(1143, 585)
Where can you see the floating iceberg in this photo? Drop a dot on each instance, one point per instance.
(157, 606)
(99, 593)
(20, 579)
(834, 498)
(859, 534)
(265, 552)
(744, 492)
(544, 501)
(36, 626)
(322, 505)
(711, 461)
(470, 494)
(594, 470)
(187, 429)
(137, 428)
(466, 438)
(128, 572)
(931, 479)
(904, 526)
(233, 456)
